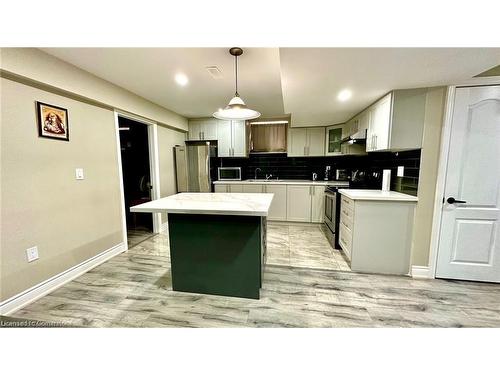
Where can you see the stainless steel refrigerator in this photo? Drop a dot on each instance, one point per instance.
(193, 167)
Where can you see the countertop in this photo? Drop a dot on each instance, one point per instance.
(377, 195)
(285, 182)
(241, 204)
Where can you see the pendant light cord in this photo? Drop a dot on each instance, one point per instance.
(236, 73)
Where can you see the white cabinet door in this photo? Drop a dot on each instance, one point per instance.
(194, 128)
(333, 137)
(252, 188)
(239, 143)
(363, 121)
(298, 207)
(223, 138)
(234, 188)
(380, 124)
(315, 142)
(469, 241)
(209, 129)
(277, 211)
(218, 188)
(317, 204)
(297, 142)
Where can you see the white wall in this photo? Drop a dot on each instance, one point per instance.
(36, 65)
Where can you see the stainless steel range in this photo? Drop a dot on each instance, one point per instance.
(332, 210)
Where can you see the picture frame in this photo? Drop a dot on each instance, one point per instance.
(53, 121)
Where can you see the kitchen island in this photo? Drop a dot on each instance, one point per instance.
(217, 241)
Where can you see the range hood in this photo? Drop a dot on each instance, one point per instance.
(358, 138)
(267, 137)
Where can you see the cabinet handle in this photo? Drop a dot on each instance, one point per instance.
(305, 151)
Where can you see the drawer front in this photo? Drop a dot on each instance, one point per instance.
(346, 202)
(345, 240)
(346, 220)
(347, 211)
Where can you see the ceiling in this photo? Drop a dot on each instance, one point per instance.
(303, 82)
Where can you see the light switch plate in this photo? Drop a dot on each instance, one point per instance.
(79, 173)
(32, 253)
(401, 171)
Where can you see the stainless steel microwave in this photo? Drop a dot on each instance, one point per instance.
(229, 174)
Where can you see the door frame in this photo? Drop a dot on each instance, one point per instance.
(443, 165)
(154, 166)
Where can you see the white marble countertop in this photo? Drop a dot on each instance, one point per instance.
(285, 182)
(241, 204)
(377, 195)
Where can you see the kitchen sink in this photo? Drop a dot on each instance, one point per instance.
(261, 180)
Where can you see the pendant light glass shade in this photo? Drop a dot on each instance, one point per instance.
(236, 109)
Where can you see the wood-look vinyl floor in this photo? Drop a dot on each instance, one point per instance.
(134, 290)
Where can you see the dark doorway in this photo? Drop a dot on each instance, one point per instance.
(136, 178)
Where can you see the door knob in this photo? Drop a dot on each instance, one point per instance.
(452, 200)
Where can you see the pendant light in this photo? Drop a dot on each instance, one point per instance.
(236, 109)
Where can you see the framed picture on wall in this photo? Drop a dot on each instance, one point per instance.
(52, 121)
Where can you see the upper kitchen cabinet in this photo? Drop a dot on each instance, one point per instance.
(306, 141)
(203, 129)
(334, 135)
(231, 138)
(396, 122)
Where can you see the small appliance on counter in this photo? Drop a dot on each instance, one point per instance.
(363, 179)
(342, 175)
(229, 173)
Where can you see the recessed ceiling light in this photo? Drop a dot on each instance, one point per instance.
(344, 95)
(181, 79)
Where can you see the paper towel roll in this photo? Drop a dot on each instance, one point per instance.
(386, 180)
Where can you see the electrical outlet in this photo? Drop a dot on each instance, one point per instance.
(32, 253)
(79, 173)
(401, 171)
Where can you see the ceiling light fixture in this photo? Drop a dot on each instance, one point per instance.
(344, 95)
(236, 109)
(181, 79)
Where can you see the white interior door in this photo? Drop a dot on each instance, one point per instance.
(470, 236)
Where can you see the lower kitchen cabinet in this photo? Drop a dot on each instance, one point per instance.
(317, 203)
(376, 235)
(234, 188)
(252, 188)
(221, 188)
(277, 211)
(298, 205)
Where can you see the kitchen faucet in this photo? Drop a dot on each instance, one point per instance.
(268, 176)
(255, 174)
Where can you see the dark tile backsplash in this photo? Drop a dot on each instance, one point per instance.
(302, 168)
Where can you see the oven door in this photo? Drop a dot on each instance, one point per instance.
(330, 205)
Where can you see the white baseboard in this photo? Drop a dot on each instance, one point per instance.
(30, 295)
(421, 272)
(164, 226)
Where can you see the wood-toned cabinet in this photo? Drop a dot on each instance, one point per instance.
(228, 188)
(306, 141)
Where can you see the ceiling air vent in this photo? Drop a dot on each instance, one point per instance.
(214, 72)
